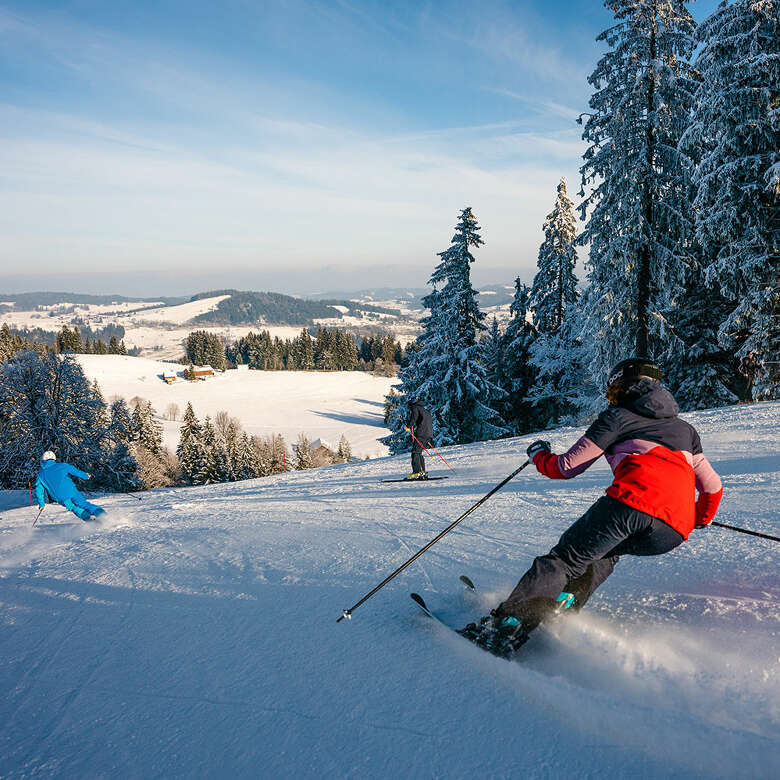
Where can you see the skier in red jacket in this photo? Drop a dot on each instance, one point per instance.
(649, 509)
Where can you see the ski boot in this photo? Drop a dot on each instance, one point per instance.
(415, 475)
(501, 636)
(505, 635)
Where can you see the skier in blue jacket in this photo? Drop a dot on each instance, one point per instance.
(54, 479)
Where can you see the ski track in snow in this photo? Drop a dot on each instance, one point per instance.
(193, 633)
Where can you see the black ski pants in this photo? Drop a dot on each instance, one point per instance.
(586, 555)
(418, 461)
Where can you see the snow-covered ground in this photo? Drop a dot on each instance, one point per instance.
(193, 633)
(320, 404)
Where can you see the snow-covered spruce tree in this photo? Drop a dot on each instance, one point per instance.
(519, 337)
(555, 352)
(446, 371)
(122, 469)
(303, 459)
(277, 455)
(190, 428)
(697, 368)
(643, 93)
(46, 403)
(218, 466)
(261, 456)
(192, 460)
(301, 356)
(242, 464)
(562, 386)
(734, 138)
(344, 452)
(493, 355)
(554, 288)
(147, 432)
(121, 423)
(207, 474)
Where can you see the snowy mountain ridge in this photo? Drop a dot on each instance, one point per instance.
(193, 632)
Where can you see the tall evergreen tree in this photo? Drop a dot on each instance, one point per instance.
(493, 355)
(121, 422)
(556, 350)
(46, 402)
(447, 371)
(344, 451)
(218, 466)
(278, 462)
(562, 385)
(303, 459)
(734, 138)
(208, 441)
(147, 431)
(190, 450)
(643, 93)
(555, 285)
(122, 469)
(519, 337)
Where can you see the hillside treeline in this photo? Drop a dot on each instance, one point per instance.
(80, 341)
(331, 349)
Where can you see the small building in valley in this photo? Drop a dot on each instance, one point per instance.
(198, 372)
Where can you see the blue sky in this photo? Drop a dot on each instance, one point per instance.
(192, 136)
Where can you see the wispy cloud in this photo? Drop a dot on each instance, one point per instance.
(156, 152)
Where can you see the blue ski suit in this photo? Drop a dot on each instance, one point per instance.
(54, 479)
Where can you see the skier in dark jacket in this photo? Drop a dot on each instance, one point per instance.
(421, 428)
(54, 479)
(649, 509)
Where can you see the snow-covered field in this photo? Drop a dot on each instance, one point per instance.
(193, 633)
(321, 404)
(178, 315)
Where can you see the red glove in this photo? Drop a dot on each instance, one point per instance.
(706, 507)
(546, 463)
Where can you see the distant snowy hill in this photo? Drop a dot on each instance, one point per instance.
(193, 633)
(159, 327)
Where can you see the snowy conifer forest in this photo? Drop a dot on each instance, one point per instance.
(680, 209)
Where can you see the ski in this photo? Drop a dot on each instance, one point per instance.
(467, 582)
(420, 601)
(429, 479)
(565, 601)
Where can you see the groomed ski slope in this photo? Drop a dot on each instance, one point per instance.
(193, 633)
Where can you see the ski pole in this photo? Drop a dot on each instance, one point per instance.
(347, 613)
(745, 531)
(37, 516)
(428, 451)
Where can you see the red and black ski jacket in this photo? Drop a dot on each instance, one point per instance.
(656, 459)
